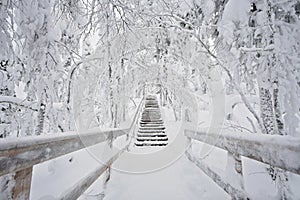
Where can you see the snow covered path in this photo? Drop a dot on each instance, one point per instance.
(177, 181)
(181, 180)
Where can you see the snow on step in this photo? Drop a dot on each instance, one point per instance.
(152, 130)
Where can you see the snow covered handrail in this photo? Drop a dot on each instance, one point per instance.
(276, 150)
(25, 152)
(81, 186)
(18, 156)
(75, 191)
(21, 154)
(227, 187)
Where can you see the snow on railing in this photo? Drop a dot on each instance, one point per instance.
(279, 151)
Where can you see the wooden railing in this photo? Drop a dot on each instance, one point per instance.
(279, 151)
(18, 157)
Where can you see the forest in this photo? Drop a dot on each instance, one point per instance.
(225, 65)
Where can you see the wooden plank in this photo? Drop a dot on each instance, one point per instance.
(28, 151)
(276, 150)
(22, 185)
(80, 187)
(235, 194)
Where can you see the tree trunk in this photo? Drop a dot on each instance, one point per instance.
(266, 110)
(175, 114)
(271, 113)
(187, 115)
(41, 119)
(278, 118)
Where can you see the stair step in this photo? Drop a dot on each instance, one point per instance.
(151, 125)
(143, 128)
(151, 112)
(151, 131)
(150, 115)
(146, 120)
(151, 144)
(152, 139)
(154, 124)
(151, 135)
(151, 119)
(152, 128)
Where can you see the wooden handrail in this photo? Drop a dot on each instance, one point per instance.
(232, 191)
(75, 191)
(19, 155)
(26, 152)
(276, 150)
(81, 186)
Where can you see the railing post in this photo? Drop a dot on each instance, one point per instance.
(21, 189)
(234, 171)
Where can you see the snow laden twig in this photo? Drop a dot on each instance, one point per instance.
(236, 86)
(235, 126)
(194, 31)
(18, 102)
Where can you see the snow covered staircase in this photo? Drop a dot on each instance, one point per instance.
(152, 130)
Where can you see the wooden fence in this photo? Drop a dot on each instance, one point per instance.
(279, 151)
(18, 156)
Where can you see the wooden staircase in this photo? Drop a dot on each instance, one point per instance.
(151, 130)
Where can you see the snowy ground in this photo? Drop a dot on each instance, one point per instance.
(181, 180)
(175, 178)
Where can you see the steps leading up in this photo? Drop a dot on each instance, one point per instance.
(151, 130)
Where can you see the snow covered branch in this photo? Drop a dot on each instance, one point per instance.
(18, 102)
(269, 48)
